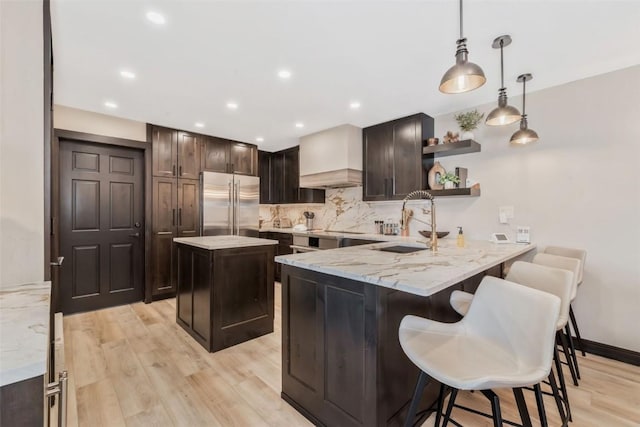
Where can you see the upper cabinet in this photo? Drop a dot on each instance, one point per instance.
(280, 179)
(223, 155)
(392, 157)
(188, 155)
(165, 151)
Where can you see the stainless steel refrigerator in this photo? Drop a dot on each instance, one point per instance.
(229, 204)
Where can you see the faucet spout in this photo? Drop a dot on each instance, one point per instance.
(420, 194)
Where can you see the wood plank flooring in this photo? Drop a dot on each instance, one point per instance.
(133, 366)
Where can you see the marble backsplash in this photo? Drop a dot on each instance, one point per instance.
(344, 210)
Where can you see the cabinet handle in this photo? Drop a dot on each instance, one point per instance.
(386, 187)
(173, 170)
(162, 233)
(180, 170)
(59, 388)
(173, 217)
(232, 167)
(179, 216)
(392, 186)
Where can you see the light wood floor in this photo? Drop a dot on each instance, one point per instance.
(132, 365)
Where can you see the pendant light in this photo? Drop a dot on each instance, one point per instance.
(503, 114)
(524, 135)
(464, 76)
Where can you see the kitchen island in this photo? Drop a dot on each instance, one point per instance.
(225, 289)
(342, 363)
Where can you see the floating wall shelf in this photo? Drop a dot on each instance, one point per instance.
(452, 148)
(469, 192)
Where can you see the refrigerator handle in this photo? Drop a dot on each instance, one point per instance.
(237, 208)
(230, 208)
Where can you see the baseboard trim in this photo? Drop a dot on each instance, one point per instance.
(611, 352)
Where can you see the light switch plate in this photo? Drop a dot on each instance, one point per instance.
(523, 234)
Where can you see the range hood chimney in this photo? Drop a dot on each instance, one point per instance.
(331, 158)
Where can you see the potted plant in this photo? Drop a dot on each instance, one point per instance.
(468, 122)
(449, 179)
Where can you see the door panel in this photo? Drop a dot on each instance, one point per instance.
(188, 208)
(215, 155)
(165, 212)
(248, 208)
(243, 158)
(101, 226)
(377, 146)
(164, 266)
(165, 154)
(188, 156)
(217, 191)
(407, 158)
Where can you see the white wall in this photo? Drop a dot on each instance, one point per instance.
(98, 124)
(21, 143)
(578, 186)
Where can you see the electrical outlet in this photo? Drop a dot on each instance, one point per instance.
(505, 212)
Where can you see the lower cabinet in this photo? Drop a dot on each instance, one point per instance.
(285, 240)
(225, 296)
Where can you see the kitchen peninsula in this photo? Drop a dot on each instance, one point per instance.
(342, 363)
(225, 289)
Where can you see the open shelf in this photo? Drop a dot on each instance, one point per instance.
(470, 192)
(452, 148)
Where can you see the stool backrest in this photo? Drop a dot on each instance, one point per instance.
(555, 281)
(565, 263)
(579, 254)
(515, 316)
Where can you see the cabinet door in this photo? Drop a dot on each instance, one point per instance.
(215, 155)
(188, 208)
(406, 175)
(188, 156)
(377, 144)
(291, 176)
(277, 178)
(164, 152)
(243, 158)
(164, 230)
(264, 172)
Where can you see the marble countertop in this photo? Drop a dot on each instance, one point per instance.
(421, 273)
(276, 230)
(224, 242)
(24, 331)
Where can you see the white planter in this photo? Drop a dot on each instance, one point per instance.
(449, 185)
(466, 135)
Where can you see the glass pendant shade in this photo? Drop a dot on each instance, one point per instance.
(464, 76)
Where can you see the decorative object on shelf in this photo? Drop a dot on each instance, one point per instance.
(432, 141)
(503, 114)
(450, 180)
(464, 76)
(461, 173)
(427, 233)
(524, 135)
(468, 122)
(450, 137)
(434, 176)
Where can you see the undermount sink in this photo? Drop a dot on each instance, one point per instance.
(402, 249)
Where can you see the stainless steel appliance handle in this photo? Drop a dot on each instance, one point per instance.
(237, 208)
(59, 388)
(230, 209)
(58, 263)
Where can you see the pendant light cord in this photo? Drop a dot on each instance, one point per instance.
(524, 97)
(461, 36)
(501, 64)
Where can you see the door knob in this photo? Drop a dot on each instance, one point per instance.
(57, 263)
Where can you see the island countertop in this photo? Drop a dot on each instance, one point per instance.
(24, 331)
(420, 273)
(212, 243)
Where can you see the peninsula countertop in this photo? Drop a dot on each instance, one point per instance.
(212, 243)
(24, 331)
(420, 273)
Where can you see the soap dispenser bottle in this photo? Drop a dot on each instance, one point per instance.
(460, 241)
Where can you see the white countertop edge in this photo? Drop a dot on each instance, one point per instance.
(284, 259)
(22, 373)
(218, 242)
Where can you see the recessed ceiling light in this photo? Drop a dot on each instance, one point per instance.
(232, 105)
(259, 139)
(199, 124)
(110, 104)
(299, 125)
(156, 18)
(128, 74)
(354, 105)
(284, 74)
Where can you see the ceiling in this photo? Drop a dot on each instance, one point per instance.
(387, 55)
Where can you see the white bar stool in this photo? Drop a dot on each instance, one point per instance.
(506, 340)
(581, 255)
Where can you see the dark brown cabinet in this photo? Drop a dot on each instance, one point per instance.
(223, 155)
(285, 240)
(233, 305)
(164, 151)
(188, 214)
(280, 179)
(188, 156)
(392, 157)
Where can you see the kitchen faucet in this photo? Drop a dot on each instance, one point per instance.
(404, 226)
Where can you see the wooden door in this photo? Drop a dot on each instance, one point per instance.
(164, 152)
(215, 155)
(188, 208)
(377, 144)
(243, 158)
(165, 212)
(406, 175)
(101, 226)
(188, 156)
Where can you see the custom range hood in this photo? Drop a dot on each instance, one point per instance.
(331, 158)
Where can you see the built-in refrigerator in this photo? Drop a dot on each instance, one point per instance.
(230, 204)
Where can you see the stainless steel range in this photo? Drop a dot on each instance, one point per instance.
(309, 241)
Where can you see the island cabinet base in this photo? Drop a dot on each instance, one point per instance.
(342, 364)
(225, 296)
